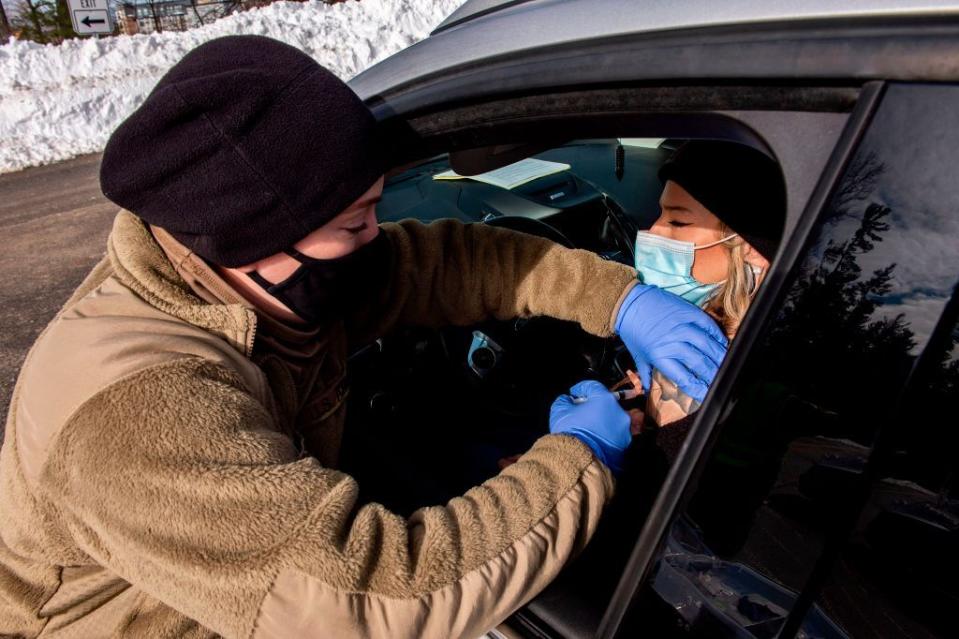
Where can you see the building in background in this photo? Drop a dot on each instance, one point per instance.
(150, 16)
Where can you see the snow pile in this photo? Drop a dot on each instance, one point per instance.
(60, 101)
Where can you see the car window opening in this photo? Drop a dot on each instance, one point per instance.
(500, 377)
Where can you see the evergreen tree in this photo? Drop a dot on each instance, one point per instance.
(828, 331)
(44, 21)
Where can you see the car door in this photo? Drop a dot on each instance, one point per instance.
(805, 95)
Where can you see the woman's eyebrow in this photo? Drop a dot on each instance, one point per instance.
(675, 207)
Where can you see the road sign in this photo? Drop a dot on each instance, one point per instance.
(91, 17)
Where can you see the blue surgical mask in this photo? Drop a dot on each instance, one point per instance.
(668, 264)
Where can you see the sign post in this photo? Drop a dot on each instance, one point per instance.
(91, 17)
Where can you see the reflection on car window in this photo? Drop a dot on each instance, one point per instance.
(896, 575)
(807, 407)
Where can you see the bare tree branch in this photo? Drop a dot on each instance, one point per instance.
(5, 30)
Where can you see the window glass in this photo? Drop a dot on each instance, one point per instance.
(896, 575)
(794, 439)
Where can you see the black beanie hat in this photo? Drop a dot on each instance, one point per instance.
(741, 186)
(245, 146)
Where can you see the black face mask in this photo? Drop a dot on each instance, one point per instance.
(321, 290)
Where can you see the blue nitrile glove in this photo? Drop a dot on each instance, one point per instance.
(598, 421)
(664, 331)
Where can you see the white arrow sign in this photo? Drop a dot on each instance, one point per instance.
(91, 17)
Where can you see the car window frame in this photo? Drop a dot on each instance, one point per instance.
(457, 127)
(688, 466)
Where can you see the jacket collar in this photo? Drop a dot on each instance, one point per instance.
(142, 265)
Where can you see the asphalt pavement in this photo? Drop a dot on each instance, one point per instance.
(54, 224)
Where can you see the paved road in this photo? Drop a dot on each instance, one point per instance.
(53, 223)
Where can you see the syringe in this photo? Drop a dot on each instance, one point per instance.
(621, 395)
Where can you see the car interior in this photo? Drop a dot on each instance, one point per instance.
(491, 385)
(741, 534)
(580, 169)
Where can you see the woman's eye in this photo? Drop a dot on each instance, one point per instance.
(678, 224)
(355, 229)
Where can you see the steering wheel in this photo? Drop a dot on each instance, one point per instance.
(400, 444)
(532, 226)
(502, 360)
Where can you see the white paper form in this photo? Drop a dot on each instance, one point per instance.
(511, 176)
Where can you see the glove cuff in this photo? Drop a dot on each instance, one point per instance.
(610, 457)
(630, 299)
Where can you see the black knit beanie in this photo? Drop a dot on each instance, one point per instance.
(741, 186)
(244, 147)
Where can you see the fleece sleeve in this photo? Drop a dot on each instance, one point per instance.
(450, 273)
(175, 479)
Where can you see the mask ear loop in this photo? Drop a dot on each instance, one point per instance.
(299, 257)
(260, 280)
(754, 277)
(711, 244)
(266, 285)
(751, 273)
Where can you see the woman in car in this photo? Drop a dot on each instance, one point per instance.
(722, 212)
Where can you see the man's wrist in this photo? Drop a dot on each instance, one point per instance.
(610, 458)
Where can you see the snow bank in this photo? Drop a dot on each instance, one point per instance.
(60, 101)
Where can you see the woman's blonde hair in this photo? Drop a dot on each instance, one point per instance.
(728, 305)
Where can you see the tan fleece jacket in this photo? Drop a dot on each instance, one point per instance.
(149, 484)
(305, 367)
